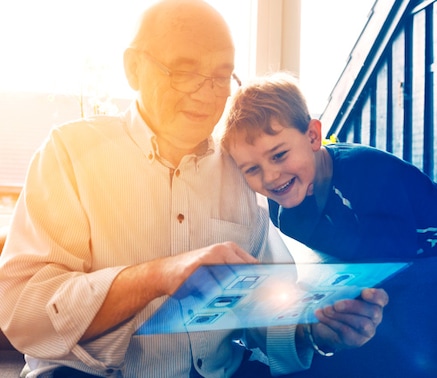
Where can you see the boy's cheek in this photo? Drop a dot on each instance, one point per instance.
(255, 185)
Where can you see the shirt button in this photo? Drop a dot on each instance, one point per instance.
(181, 218)
(199, 363)
(177, 172)
(109, 372)
(150, 156)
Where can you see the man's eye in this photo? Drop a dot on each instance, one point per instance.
(222, 81)
(184, 77)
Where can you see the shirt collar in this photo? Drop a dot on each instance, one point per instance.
(143, 136)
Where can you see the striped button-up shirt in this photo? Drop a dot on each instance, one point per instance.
(98, 198)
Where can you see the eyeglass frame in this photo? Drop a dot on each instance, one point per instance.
(170, 72)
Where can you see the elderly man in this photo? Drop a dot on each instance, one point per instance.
(117, 212)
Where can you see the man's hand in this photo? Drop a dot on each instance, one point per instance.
(350, 323)
(180, 267)
(138, 285)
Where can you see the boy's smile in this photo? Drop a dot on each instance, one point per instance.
(280, 166)
(284, 188)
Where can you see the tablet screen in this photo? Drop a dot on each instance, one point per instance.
(218, 297)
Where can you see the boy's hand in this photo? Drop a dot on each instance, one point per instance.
(350, 323)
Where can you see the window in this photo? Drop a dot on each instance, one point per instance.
(62, 60)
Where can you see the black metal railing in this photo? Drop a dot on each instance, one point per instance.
(394, 109)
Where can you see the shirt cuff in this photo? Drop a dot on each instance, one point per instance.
(74, 306)
(283, 356)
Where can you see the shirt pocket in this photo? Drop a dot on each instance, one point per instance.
(213, 231)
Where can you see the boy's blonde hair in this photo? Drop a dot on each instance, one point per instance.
(253, 107)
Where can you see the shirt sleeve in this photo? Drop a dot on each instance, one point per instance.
(284, 358)
(422, 194)
(278, 343)
(50, 293)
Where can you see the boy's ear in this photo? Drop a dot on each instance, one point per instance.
(314, 133)
(131, 67)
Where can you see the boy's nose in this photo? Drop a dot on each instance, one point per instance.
(271, 175)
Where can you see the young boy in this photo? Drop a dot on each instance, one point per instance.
(350, 201)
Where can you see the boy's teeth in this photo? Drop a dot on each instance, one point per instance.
(280, 189)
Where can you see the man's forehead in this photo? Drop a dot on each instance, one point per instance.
(187, 22)
(183, 48)
(193, 49)
(198, 34)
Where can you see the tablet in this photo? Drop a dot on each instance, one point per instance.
(217, 297)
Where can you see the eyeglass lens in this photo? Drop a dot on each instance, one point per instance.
(188, 82)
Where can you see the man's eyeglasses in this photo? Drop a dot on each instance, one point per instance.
(191, 82)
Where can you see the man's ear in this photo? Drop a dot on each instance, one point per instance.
(132, 67)
(314, 133)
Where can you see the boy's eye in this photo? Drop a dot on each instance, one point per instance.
(279, 156)
(251, 170)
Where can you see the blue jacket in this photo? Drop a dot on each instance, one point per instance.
(379, 207)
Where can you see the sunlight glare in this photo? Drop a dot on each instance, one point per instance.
(77, 47)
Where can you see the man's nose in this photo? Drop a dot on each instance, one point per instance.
(206, 90)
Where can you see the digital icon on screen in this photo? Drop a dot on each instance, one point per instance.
(314, 297)
(246, 282)
(341, 279)
(226, 301)
(202, 319)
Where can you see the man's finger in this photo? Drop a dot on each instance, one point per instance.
(243, 255)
